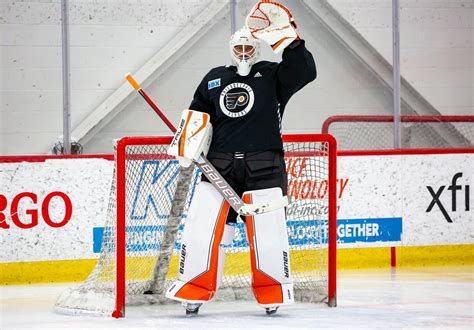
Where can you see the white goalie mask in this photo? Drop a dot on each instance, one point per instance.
(244, 51)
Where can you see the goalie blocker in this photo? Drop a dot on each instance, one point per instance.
(192, 138)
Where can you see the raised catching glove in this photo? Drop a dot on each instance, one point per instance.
(273, 23)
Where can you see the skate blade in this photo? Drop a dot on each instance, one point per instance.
(271, 310)
(192, 310)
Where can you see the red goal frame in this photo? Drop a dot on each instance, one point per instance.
(121, 217)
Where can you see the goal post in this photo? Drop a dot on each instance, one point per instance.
(327, 149)
(147, 212)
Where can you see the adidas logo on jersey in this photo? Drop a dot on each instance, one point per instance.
(258, 75)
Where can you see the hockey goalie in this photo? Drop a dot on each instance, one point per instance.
(235, 118)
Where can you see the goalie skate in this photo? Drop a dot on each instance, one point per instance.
(191, 309)
(271, 310)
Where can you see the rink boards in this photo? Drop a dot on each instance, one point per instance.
(383, 200)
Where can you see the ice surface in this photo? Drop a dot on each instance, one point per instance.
(434, 298)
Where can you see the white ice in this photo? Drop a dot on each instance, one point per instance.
(434, 298)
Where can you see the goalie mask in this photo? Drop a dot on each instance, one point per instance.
(244, 51)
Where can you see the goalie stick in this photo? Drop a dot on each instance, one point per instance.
(215, 178)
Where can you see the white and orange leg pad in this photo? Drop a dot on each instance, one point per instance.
(200, 247)
(272, 284)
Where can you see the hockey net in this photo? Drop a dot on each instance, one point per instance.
(357, 132)
(147, 211)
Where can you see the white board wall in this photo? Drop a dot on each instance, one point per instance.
(109, 38)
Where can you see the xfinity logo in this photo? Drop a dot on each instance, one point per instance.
(454, 187)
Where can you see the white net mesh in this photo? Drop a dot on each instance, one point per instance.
(158, 195)
(370, 133)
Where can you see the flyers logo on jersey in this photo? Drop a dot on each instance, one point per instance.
(236, 100)
(232, 100)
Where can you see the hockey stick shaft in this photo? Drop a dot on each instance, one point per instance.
(179, 201)
(210, 171)
(152, 104)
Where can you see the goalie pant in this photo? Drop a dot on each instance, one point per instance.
(245, 171)
(261, 177)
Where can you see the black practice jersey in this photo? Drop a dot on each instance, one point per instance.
(246, 112)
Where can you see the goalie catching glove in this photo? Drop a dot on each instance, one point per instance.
(273, 23)
(192, 138)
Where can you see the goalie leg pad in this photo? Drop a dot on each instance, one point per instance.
(200, 247)
(272, 284)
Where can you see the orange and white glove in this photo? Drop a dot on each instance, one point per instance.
(192, 138)
(273, 23)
